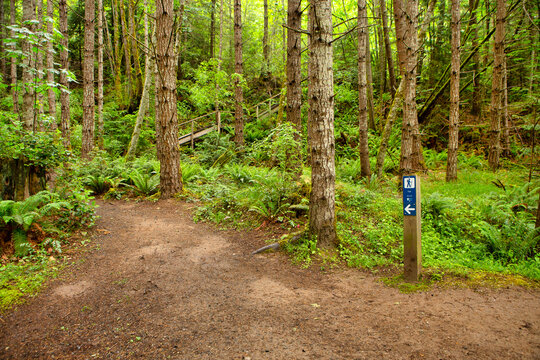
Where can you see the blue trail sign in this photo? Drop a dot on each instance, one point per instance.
(409, 195)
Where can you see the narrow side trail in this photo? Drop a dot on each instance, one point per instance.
(159, 286)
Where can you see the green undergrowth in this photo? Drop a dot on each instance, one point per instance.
(482, 222)
(24, 278)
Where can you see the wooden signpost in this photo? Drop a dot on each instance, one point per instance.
(412, 228)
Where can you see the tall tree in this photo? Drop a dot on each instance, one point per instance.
(50, 66)
(38, 64)
(497, 86)
(406, 16)
(422, 35)
(387, 46)
(453, 129)
(365, 170)
(476, 101)
(13, 62)
(294, 66)
(88, 124)
(266, 52)
(117, 52)
(238, 69)
(101, 125)
(145, 98)
(168, 152)
(127, 48)
(2, 36)
(64, 64)
(212, 29)
(29, 16)
(137, 75)
(322, 219)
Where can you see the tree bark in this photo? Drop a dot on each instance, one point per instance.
(422, 35)
(382, 53)
(322, 220)
(497, 87)
(65, 116)
(135, 51)
(238, 69)
(388, 48)
(101, 125)
(2, 36)
(168, 152)
(13, 63)
(145, 98)
(38, 64)
(453, 130)
(406, 15)
(365, 170)
(397, 105)
(370, 101)
(29, 14)
(504, 113)
(476, 101)
(178, 40)
(50, 66)
(88, 80)
(294, 66)
(127, 53)
(212, 28)
(266, 56)
(117, 53)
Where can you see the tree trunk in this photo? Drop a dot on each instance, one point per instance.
(397, 105)
(145, 98)
(370, 101)
(178, 40)
(382, 54)
(29, 14)
(322, 220)
(453, 129)
(65, 116)
(238, 69)
(406, 15)
(101, 125)
(2, 36)
(497, 87)
(365, 170)
(13, 63)
(294, 66)
(168, 152)
(39, 99)
(387, 46)
(266, 56)
(476, 101)
(504, 113)
(422, 35)
(127, 53)
(88, 80)
(117, 53)
(50, 67)
(212, 28)
(135, 51)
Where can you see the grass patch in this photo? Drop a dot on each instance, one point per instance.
(22, 279)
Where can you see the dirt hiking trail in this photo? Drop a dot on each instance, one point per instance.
(159, 286)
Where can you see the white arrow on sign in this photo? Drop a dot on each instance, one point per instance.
(408, 209)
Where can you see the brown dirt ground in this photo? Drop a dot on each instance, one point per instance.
(159, 286)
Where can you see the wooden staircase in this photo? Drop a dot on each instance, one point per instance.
(195, 134)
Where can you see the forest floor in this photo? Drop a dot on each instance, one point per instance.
(158, 286)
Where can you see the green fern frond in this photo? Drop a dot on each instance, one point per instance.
(20, 243)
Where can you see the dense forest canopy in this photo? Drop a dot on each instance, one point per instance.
(296, 113)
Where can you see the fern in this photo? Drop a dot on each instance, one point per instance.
(144, 184)
(20, 242)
